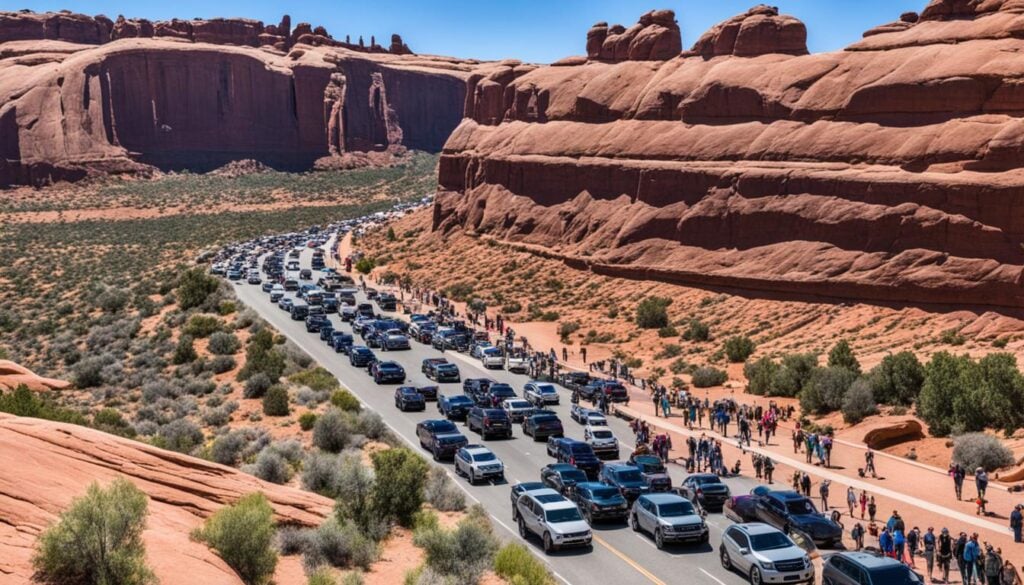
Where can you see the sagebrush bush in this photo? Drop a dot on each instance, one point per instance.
(271, 466)
(243, 536)
(825, 389)
(180, 435)
(371, 425)
(193, 287)
(738, 348)
(859, 402)
(257, 386)
(224, 343)
(98, 539)
(318, 379)
(307, 420)
(333, 431)
(345, 400)
(228, 447)
(292, 540)
(398, 489)
(464, 553)
(322, 577)
(357, 482)
(221, 363)
(974, 450)
(184, 352)
(320, 474)
(441, 492)
(339, 545)
(697, 330)
(517, 565)
(275, 401)
(706, 376)
(652, 312)
(202, 325)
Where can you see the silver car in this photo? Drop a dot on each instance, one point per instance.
(764, 555)
(556, 520)
(668, 518)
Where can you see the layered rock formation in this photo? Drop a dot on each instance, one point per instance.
(889, 171)
(48, 464)
(13, 375)
(199, 94)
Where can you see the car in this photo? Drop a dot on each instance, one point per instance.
(864, 568)
(361, 356)
(574, 380)
(478, 347)
(268, 286)
(489, 421)
(440, 437)
(276, 293)
(557, 522)
(587, 416)
(540, 393)
(576, 453)
(299, 311)
(326, 332)
(543, 424)
(562, 477)
(626, 478)
(407, 398)
(234, 274)
(291, 284)
(427, 364)
(341, 341)
(654, 471)
(455, 407)
(668, 518)
(429, 392)
(330, 304)
(492, 357)
(613, 390)
(517, 409)
(285, 304)
(706, 490)
(365, 310)
(387, 302)
(389, 371)
(315, 322)
(371, 293)
(789, 511)
(602, 440)
(763, 554)
(347, 313)
(424, 332)
(394, 339)
(498, 393)
(477, 462)
(520, 489)
(443, 371)
(476, 388)
(306, 274)
(598, 501)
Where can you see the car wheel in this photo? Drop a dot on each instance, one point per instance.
(755, 576)
(548, 545)
(472, 477)
(522, 527)
(726, 561)
(589, 517)
(434, 453)
(659, 539)
(634, 523)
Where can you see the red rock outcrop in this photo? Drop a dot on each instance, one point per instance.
(13, 375)
(47, 464)
(892, 171)
(200, 94)
(655, 37)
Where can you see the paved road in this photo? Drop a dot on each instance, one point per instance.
(618, 556)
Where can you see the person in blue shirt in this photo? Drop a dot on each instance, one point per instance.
(972, 552)
(899, 544)
(885, 542)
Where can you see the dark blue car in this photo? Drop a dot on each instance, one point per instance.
(455, 407)
(361, 356)
(600, 501)
(341, 342)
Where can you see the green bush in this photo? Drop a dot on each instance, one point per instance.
(243, 536)
(859, 402)
(318, 379)
(184, 352)
(332, 431)
(442, 493)
(842, 356)
(668, 331)
(257, 386)
(738, 348)
(464, 553)
(567, 328)
(224, 343)
(194, 286)
(346, 401)
(760, 375)
(202, 326)
(460, 291)
(974, 450)
(271, 466)
(307, 420)
(952, 337)
(669, 351)
(23, 402)
(261, 357)
(110, 420)
(793, 374)
(825, 390)
(275, 401)
(652, 312)
(98, 539)
(697, 330)
(181, 435)
(516, 565)
(706, 377)
(961, 395)
(322, 577)
(354, 480)
(897, 380)
(339, 545)
(365, 265)
(398, 490)
(225, 308)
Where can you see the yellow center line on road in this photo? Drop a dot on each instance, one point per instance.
(628, 561)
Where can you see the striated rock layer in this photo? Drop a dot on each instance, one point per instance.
(890, 171)
(48, 464)
(200, 94)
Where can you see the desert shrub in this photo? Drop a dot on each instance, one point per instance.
(262, 357)
(697, 330)
(825, 389)
(296, 355)
(270, 466)
(398, 490)
(112, 299)
(652, 312)
(952, 337)
(98, 539)
(275, 401)
(897, 380)
(257, 386)
(511, 307)
(332, 431)
(184, 352)
(226, 307)
(859, 402)
(321, 577)
(365, 265)
(357, 482)
(243, 536)
(180, 435)
(110, 420)
(221, 364)
(962, 395)
(345, 400)
(339, 545)
(441, 492)
(706, 377)
(842, 356)
(24, 402)
(88, 373)
(463, 553)
(307, 420)
(317, 378)
(793, 374)
(566, 329)
(224, 343)
(320, 474)
(738, 348)
(669, 351)
(974, 450)
(517, 565)
(292, 540)
(371, 425)
(193, 288)
(308, 397)
(202, 326)
(759, 375)
(227, 448)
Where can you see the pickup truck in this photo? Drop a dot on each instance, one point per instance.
(516, 360)
(613, 390)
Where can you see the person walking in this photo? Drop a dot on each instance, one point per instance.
(993, 565)
(1016, 520)
(805, 484)
(945, 550)
(928, 551)
(958, 480)
(1009, 575)
(851, 500)
(869, 463)
(959, 548)
(863, 502)
(666, 407)
(872, 509)
(885, 542)
(657, 402)
(899, 545)
(913, 540)
(972, 552)
(981, 482)
(857, 533)
(583, 354)
(769, 469)
(823, 492)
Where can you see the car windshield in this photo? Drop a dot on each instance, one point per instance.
(575, 475)
(769, 541)
(461, 400)
(451, 439)
(545, 418)
(604, 493)
(563, 515)
(601, 434)
(492, 351)
(446, 366)
(444, 426)
(484, 457)
(519, 404)
(894, 576)
(628, 475)
(803, 506)
(706, 479)
(675, 509)
(546, 389)
(580, 448)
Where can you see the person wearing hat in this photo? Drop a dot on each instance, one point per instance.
(945, 554)
(1016, 520)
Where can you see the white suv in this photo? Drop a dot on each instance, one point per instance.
(540, 392)
(477, 462)
(668, 518)
(556, 520)
(602, 440)
(764, 555)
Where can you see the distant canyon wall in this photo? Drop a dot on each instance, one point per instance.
(891, 171)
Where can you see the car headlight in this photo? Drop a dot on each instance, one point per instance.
(807, 561)
(766, 565)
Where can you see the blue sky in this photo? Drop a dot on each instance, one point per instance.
(531, 30)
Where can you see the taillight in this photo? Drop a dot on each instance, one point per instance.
(700, 492)
(487, 420)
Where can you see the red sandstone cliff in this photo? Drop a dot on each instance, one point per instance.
(892, 170)
(80, 95)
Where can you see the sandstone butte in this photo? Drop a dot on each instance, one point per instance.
(47, 464)
(889, 171)
(82, 95)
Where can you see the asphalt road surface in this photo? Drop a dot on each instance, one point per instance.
(618, 555)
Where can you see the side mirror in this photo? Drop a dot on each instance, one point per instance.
(744, 550)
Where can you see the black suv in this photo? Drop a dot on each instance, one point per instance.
(613, 391)
(455, 407)
(562, 477)
(315, 322)
(543, 424)
(361, 356)
(864, 568)
(497, 394)
(441, 371)
(408, 398)
(788, 510)
(476, 387)
(706, 490)
(489, 421)
(627, 478)
(441, 437)
(577, 453)
(383, 372)
(341, 342)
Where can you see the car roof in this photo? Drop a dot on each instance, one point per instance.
(561, 467)
(590, 485)
(787, 495)
(477, 449)
(408, 390)
(659, 499)
(868, 560)
(619, 466)
(530, 486)
(755, 528)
